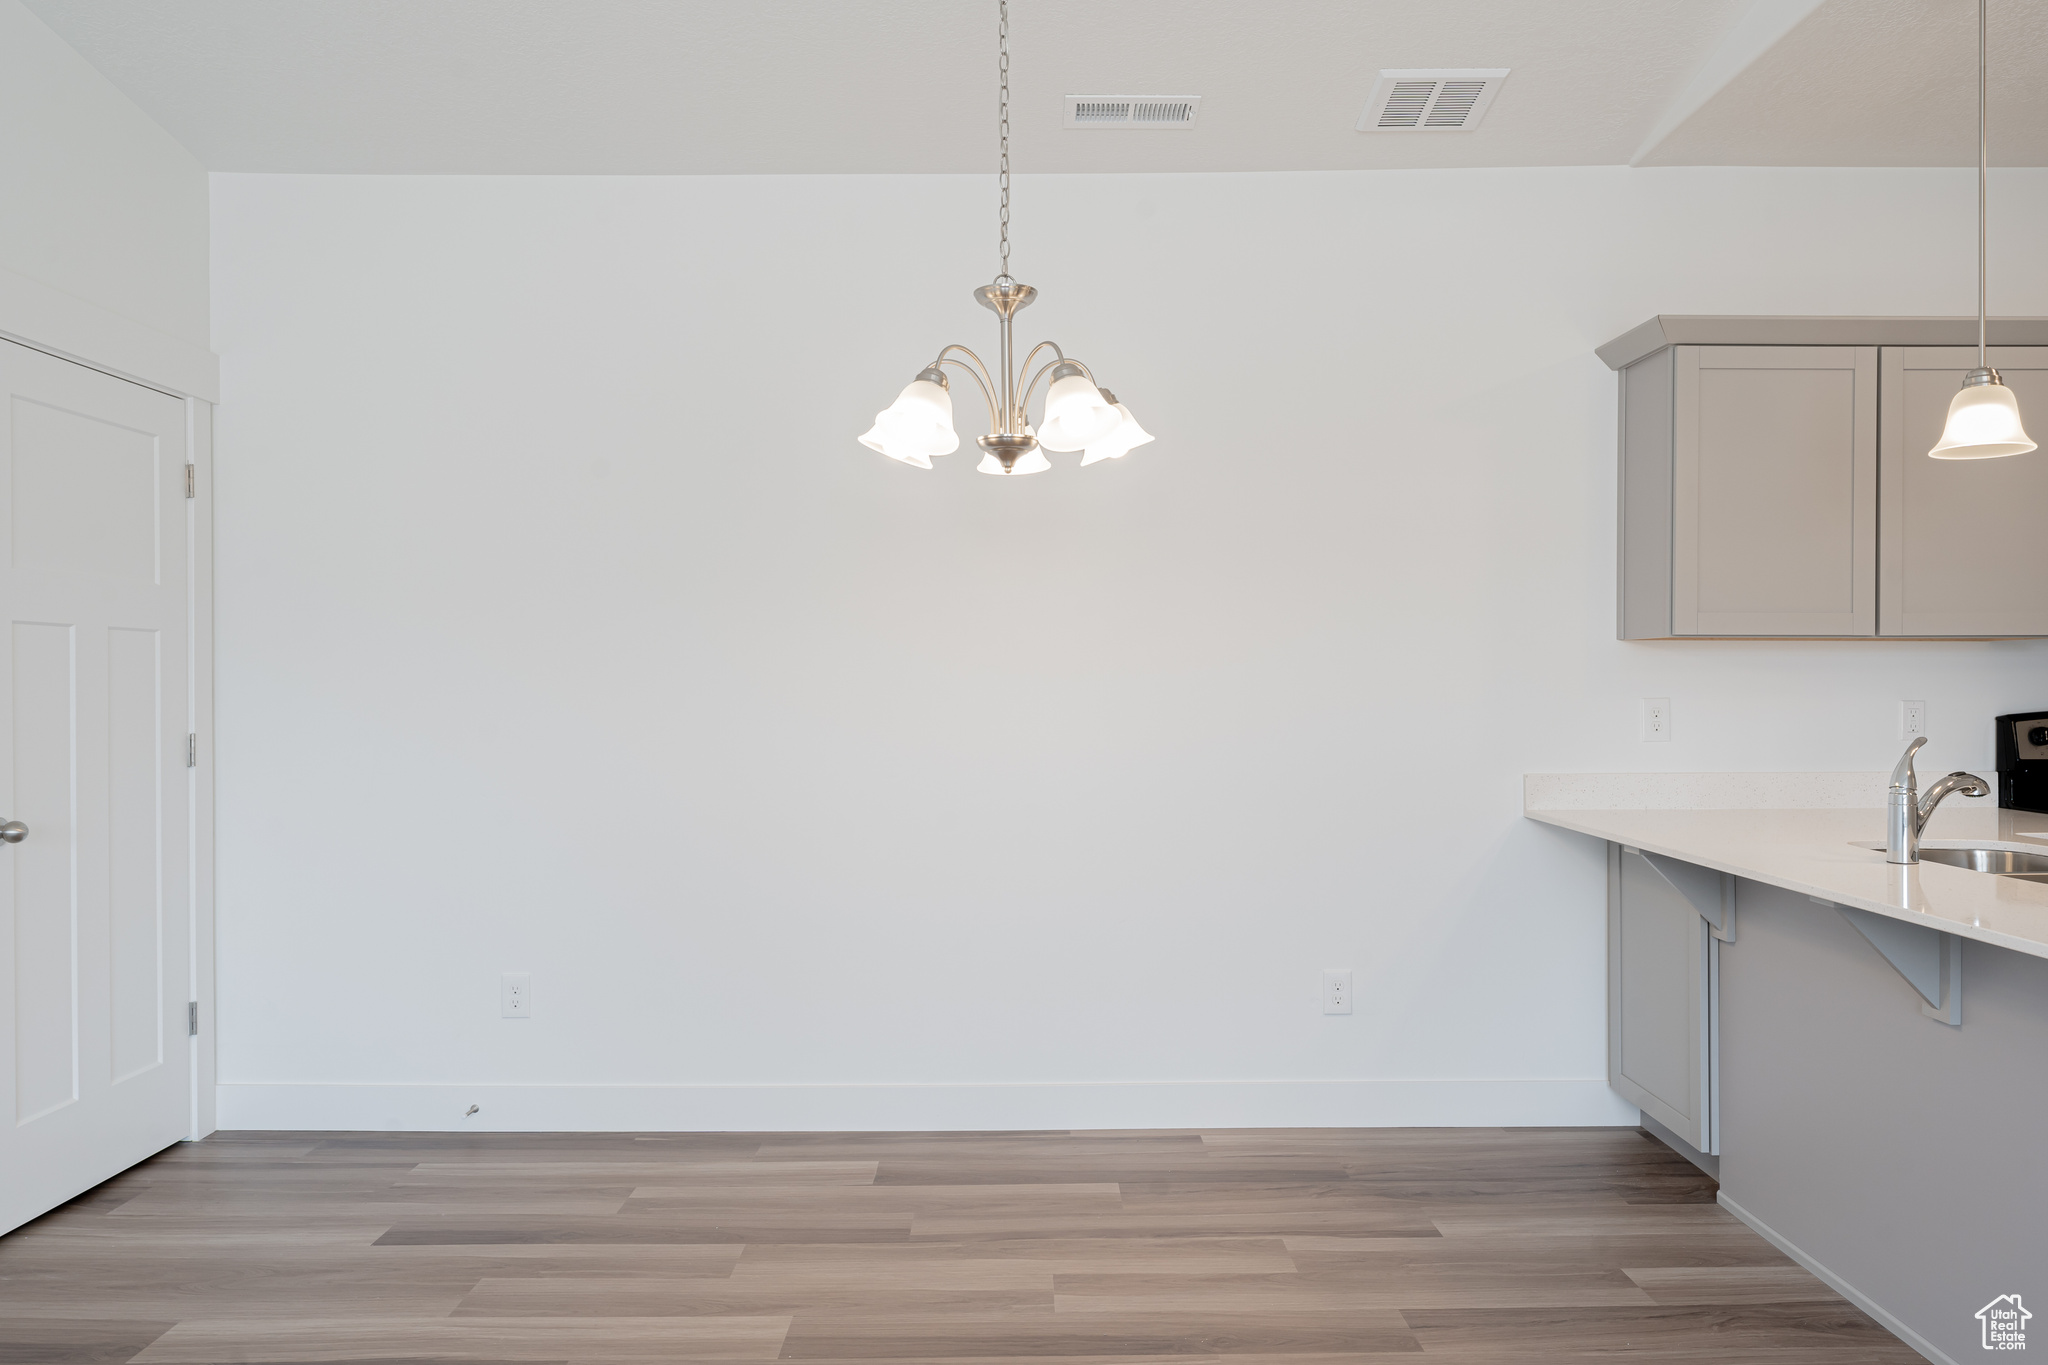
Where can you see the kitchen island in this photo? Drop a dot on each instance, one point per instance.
(1879, 1114)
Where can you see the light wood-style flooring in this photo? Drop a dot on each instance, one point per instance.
(1449, 1246)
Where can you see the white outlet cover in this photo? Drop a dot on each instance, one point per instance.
(1912, 719)
(1656, 720)
(515, 995)
(1337, 991)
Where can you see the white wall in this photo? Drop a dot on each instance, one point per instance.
(563, 627)
(103, 232)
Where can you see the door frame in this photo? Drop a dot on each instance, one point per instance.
(199, 427)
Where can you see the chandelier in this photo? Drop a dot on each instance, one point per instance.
(1078, 414)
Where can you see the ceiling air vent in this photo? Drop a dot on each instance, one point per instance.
(1429, 101)
(1132, 111)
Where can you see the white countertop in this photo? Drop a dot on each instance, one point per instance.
(1813, 851)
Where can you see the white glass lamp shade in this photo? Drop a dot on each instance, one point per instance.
(1126, 437)
(917, 426)
(874, 438)
(1983, 423)
(1075, 414)
(1032, 462)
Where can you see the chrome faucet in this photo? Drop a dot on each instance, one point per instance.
(1906, 813)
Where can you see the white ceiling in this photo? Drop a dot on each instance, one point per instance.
(1881, 83)
(836, 86)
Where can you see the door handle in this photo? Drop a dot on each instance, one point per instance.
(13, 832)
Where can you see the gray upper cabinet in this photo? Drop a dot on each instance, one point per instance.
(1774, 490)
(1749, 495)
(1783, 488)
(1962, 549)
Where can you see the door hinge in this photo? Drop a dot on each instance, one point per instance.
(192, 1019)
(191, 751)
(191, 481)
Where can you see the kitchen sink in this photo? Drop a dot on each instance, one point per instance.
(2004, 861)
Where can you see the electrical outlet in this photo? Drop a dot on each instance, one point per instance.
(1912, 719)
(1337, 992)
(1656, 719)
(515, 995)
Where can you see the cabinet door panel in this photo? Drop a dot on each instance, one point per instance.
(1774, 498)
(1659, 996)
(1961, 545)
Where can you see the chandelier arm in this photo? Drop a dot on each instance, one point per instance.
(979, 383)
(1034, 355)
(1025, 402)
(1032, 387)
(987, 380)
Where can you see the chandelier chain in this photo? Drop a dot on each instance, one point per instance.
(1003, 131)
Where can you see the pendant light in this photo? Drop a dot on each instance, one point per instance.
(1984, 419)
(1078, 415)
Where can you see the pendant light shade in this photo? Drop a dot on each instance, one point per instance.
(1126, 437)
(1983, 422)
(874, 439)
(918, 425)
(1030, 462)
(1075, 412)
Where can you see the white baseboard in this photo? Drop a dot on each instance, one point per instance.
(1839, 1285)
(882, 1108)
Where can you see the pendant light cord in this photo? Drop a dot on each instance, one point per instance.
(1003, 132)
(1983, 173)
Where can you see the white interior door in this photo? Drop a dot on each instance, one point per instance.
(94, 959)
